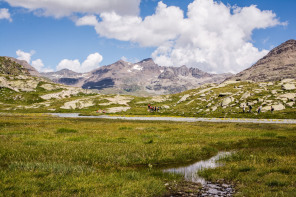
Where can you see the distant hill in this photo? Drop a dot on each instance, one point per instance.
(279, 63)
(141, 78)
(12, 66)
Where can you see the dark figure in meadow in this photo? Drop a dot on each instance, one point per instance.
(271, 109)
(259, 109)
(250, 108)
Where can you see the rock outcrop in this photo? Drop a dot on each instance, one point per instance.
(12, 66)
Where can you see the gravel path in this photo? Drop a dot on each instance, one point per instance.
(183, 119)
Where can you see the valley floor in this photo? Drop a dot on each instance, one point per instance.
(41, 155)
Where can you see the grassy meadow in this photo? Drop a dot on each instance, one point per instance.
(50, 156)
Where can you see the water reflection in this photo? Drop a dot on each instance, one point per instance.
(190, 172)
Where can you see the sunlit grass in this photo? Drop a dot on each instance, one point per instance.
(50, 156)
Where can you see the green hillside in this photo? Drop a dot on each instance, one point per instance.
(23, 93)
(7, 66)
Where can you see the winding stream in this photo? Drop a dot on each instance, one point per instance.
(191, 172)
(180, 119)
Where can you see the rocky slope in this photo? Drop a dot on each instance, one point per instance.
(23, 93)
(279, 63)
(12, 66)
(142, 78)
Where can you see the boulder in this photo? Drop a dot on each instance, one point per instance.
(289, 96)
(214, 108)
(273, 91)
(277, 107)
(288, 86)
(290, 104)
(243, 105)
(287, 80)
(245, 95)
(226, 101)
(165, 107)
(78, 104)
(183, 98)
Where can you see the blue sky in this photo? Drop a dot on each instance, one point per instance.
(215, 36)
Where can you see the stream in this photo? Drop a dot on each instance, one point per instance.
(190, 174)
(180, 119)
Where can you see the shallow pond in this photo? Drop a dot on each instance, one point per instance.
(191, 172)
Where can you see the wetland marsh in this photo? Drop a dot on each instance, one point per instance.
(50, 156)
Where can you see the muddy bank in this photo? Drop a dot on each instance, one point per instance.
(186, 189)
(195, 185)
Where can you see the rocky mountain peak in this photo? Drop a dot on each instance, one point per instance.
(287, 46)
(145, 77)
(279, 63)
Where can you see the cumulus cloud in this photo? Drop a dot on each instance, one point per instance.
(91, 62)
(4, 14)
(165, 24)
(37, 64)
(87, 20)
(24, 55)
(61, 8)
(213, 37)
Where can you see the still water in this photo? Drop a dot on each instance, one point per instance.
(190, 172)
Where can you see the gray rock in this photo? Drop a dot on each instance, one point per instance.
(226, 101)
(245, 96)
(288, 86)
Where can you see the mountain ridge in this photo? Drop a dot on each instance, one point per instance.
(279, 63)
(144, 77)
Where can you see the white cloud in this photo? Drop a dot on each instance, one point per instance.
(37, 64)
(87, 20)
(4, 14)
(24, 55)
(213, 37)
(165, 24)
(91, 62)
(61, 8)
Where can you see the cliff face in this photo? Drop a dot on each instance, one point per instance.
(279, 63)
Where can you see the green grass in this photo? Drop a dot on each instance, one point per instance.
(65, 130)
(48, 156)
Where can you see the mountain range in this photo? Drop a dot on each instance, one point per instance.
(141, 78)
(148, 78)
